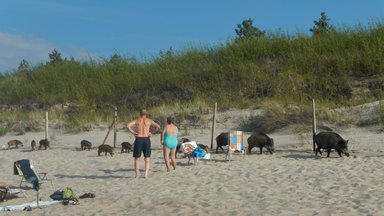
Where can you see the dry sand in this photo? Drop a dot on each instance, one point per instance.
(291, 182)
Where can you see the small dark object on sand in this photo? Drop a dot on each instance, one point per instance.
(87, 195)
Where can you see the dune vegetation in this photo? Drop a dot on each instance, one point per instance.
(340, 68)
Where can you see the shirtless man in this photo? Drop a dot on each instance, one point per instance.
(142, 142)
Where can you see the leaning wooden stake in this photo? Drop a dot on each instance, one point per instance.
(109, 130)
(213, 125)
(37, 199)
(314, 123)
(115, 129)
(46, 125)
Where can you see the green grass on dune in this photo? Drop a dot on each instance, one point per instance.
(343, 68)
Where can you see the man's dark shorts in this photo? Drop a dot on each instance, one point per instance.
(142, 144)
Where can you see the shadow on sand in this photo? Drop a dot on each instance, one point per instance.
(89, 176)
(300, 156)
(178, 163)
(110, 174)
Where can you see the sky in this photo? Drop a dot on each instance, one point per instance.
(97, 29)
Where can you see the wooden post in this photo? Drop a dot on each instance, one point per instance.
(109, 130)
(314, 123)
(115, 129)
(46, 125)
(213, 125)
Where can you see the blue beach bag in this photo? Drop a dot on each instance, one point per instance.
(198, 152)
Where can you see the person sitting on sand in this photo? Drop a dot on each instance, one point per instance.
(142, 142)
(169, 142)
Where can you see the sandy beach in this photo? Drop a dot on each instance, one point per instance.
(293, 181)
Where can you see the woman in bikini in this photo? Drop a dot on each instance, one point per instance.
(169, 142)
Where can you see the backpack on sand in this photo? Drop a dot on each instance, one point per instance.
(69, 194)
(69, 197)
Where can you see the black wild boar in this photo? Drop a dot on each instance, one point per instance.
(44, 143)
(105, 148)
(85, 144)
(221, 140)
(204, 147)
(126, 147)
(33, 145)
(331, 140)
(16, 143)
(260, 140)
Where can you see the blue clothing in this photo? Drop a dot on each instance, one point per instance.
(142, 144)
(170, 141)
